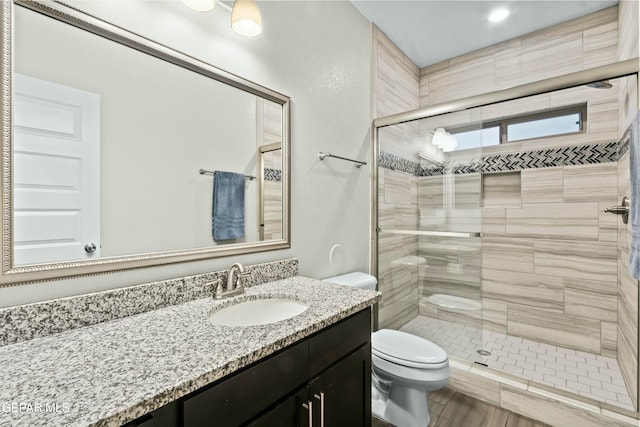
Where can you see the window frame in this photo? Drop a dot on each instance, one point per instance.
(504, 122)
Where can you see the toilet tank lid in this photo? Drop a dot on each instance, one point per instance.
(355, 279)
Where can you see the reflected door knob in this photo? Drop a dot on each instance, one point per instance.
(90, 247)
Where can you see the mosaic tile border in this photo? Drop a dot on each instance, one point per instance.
(272, 174)
(510, 162)
(623, 146)
(395, 163)
(40, 319)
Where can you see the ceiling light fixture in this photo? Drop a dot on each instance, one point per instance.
(444, 140)
(200, 5)
(498, 15)
(246, 19)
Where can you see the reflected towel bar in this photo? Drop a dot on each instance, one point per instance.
(322, 156)
(430, 233)
(203, 171)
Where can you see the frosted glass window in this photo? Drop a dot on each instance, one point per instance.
(559, 125)
(478, 138)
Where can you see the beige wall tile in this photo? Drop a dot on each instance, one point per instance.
(609, 339)
(493, 221)
(431, 191)
(523, 289)
(591, 183)
(509, 254)
(551, 411)
(465, 219)
(554, 328)
(542, 185)
(425, 308)
(385, 215)
(576, 260)
(607, 223)
(628, 29)
(628, 362)
(501, 190)
(591, 299)
(462, 81)
(576, 221)
(515, 107)
(433, 218)
(628, 100)
(475, 386)
(467, 189)
(542, 56)
(405, 217)
(600, 45)
(603, 118)
(494, 316)
(400, 188)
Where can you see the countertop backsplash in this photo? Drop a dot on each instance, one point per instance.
(40, 319)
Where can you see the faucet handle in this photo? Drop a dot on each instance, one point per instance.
(217, 288)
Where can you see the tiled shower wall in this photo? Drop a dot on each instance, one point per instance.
(269, 125)
(627, 334)
(575, 45)
(395, 89)
(553, 266)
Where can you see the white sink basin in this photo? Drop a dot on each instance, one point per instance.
(257, 312)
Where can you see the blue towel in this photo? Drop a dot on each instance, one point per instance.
(634, 165)
(228, 206)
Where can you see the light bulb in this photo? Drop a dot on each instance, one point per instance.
(498, 15)
(200, 5)
(246, 19)
(439, 137)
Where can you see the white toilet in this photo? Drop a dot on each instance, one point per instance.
(405, 368)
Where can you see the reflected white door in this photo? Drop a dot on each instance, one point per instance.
(56, 172)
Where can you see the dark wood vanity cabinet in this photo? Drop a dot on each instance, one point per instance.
(323, 380)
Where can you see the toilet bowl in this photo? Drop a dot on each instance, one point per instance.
(404, 368)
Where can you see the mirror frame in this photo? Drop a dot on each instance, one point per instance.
(16, 275)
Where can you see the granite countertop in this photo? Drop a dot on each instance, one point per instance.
(113, 372)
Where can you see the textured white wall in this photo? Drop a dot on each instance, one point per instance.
(316, 52)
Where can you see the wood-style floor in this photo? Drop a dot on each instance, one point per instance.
(451, 409)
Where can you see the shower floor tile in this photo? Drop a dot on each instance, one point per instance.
(586, 374)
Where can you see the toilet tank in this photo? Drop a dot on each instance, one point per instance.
(355, 279)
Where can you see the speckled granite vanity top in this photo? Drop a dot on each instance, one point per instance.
(113, 372)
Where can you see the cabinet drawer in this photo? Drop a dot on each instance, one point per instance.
(237, 399)
(337, 341)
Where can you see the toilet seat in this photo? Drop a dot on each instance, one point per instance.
(408, 350)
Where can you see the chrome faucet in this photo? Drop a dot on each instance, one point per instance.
(234, 284)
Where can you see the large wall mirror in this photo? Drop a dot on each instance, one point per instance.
(115, 148)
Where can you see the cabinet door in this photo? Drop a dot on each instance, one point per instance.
(242, 396)
(289, 413)
(341, 395)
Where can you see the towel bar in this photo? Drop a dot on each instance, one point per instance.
(203, 172)
(322, 156)
(431, 233)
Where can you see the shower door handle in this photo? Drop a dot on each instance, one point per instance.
(622, 209)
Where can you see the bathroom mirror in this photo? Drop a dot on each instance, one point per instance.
(110, 144)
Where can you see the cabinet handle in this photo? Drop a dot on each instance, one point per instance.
(321, 399)
(309, 407)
